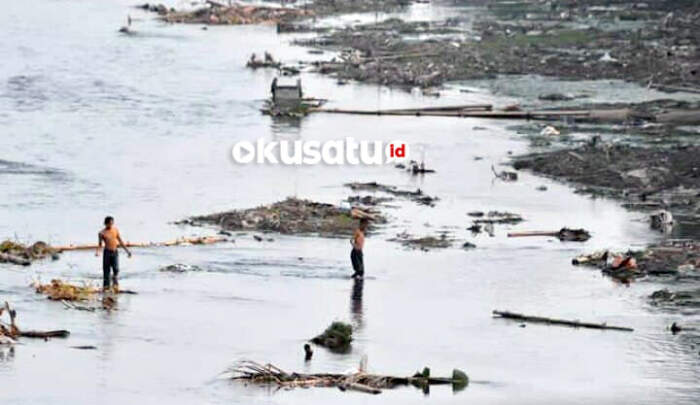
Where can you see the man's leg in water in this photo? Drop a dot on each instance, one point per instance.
(105, 270)
(115, 270)
(357, 263)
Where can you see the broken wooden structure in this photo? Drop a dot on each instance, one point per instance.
(552, 321)
(359, 381)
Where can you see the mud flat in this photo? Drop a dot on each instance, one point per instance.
(652, 43)
(292, 216)
(654, 178)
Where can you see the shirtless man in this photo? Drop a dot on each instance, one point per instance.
(110, 260)
(358, 242)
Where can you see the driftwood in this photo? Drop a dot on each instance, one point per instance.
(9, 258)
(200, 240)
(563, 322)
(359, 381)
(13, 332)
(564, 234)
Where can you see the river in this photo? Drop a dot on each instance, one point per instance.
(141, 127)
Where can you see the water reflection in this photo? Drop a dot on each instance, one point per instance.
(356, 307)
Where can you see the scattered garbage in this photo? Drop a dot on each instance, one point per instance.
(180, 268)
(424, 243)
(505, 175)
(499, 217)
(336, 337)
(360, 381)
(553, 321)
(661, 220)
(564, 234)
(417, 196)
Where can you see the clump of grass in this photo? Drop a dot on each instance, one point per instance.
(336, 337)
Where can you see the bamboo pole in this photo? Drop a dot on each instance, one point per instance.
(462, 114)
(201, 240)
(563, 322)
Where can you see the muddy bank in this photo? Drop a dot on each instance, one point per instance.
(572, 40)
(653, 178)
(225, 13)
(291, 216)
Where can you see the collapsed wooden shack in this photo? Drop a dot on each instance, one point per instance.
(361, 381)
(287, 100)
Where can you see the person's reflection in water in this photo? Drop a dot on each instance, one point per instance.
(356, 301)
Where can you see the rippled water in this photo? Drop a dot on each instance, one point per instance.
(141, 126)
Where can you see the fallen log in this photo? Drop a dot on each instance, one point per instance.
(44, 335)
(553, 321)
(13, 332)
(535, 115)
(200, 240)
(564, 234)
(6, 257)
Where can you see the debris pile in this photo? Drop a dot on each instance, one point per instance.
(417, 196)
(336, 337)
(217, 13)
(290, 216)
(424, 243)
(359, 381)
(674, 258)
(17, 253)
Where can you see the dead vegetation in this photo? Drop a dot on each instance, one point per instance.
(291, 216)
(361, 381)
(59, 290)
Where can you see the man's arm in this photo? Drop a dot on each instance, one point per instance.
(121, 243)
(99, 243)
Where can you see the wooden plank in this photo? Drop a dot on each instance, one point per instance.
(563, 322)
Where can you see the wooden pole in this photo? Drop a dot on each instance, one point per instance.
(563, 322)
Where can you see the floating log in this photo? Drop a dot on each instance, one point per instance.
(564, 234)
(463, 114)
(45, 335)
(200, 240)
(454, 108)
(563, 322)
(9, 258)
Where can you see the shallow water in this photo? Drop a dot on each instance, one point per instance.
(141, 127)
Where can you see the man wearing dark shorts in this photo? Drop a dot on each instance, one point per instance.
(358, 242)
(110, 258)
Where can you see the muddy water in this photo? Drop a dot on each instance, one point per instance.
(141, 126)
